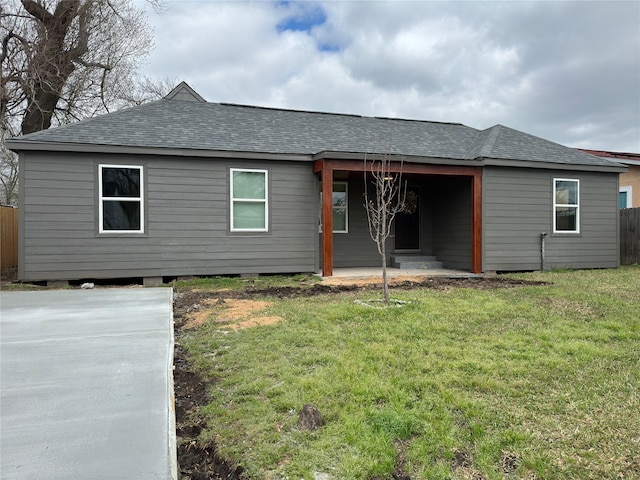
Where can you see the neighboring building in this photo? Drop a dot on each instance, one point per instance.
(184, 187)
(630, 180)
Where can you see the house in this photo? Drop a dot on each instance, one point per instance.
(629, 191)
(183, 187)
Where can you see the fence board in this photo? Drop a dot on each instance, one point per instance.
(8, 237)
(630, 236)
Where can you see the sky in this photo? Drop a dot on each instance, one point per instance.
(568, 72)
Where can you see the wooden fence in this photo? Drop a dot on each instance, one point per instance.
(630, 236)
(8, 237)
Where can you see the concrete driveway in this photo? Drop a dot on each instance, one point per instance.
(87, 384)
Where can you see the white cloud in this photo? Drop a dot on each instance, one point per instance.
(566, 71)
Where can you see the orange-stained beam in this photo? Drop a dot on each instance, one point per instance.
(421, 168)
(476, 222)
(327, 220)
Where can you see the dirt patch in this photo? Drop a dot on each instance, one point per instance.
(240, 309)
(254, 322)
(230, 313)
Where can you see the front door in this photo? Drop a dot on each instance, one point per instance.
(407, 222)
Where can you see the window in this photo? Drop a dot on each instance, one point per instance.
(566, 205)
(121, 199)
(340, 208)
(249, 193)
(625, 197)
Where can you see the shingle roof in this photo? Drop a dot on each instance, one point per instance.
(505, 143)
(219, 127)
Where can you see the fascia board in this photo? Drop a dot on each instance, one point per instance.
(18, 146)
(496, 162)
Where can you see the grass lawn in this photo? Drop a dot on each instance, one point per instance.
(529, 382)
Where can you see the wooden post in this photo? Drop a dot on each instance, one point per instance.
(327, 220)
(476, 222)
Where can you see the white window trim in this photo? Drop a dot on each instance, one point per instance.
(576, 206)
(629, 191)
(102, 199)
(252, 200)
(346, 209)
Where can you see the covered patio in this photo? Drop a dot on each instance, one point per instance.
(333, 166)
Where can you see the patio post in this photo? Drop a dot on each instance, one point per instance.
(327, 219)
(476, 221)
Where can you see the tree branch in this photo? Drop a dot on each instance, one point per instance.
(37, 11)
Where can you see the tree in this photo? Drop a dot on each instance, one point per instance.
(65, 60)
(382, 208)
(8, 172)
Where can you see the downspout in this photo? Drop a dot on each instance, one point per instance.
(543, 237)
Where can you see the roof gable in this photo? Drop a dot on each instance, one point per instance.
(184, 92)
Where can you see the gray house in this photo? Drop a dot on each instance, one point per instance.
(185, 187)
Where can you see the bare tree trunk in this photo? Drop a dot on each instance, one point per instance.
(381, 210)
(385, 283)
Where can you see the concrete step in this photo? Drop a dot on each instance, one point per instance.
(418, 265)
(405, 262)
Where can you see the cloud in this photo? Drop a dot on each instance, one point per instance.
(566, 71)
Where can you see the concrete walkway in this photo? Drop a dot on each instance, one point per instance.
(87, 384)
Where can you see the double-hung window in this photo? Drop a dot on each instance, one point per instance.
(249, 207)
(121, 202)
(566, 205)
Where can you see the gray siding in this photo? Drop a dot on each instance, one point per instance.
(187, 220)
(451, 199)
(518, 207)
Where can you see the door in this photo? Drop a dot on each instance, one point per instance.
(407, 222)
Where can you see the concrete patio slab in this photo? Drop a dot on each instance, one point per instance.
(374, 274)
(87, 384)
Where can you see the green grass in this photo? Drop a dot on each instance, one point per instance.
(529, 382)
(239, 282)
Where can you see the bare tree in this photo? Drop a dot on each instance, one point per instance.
(65, 60)
(8, 172)
(382, 208)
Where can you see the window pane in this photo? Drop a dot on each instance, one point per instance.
(120, 215)
(120, 182)
(339, 199)
(566, 219)
(339, 219)
(566, 192)
(249, 215)
(249, 185)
